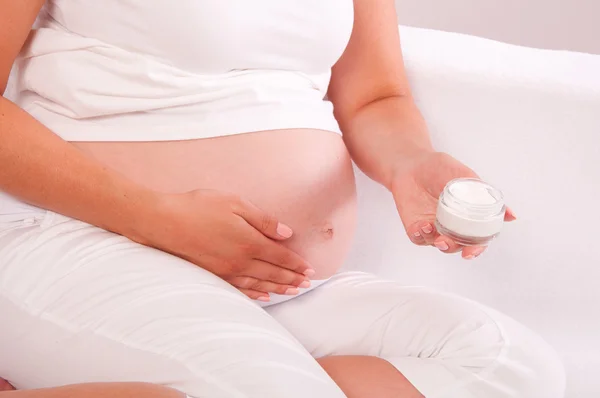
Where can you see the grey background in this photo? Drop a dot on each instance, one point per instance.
(554, 24)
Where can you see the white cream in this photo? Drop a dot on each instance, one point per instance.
(473, 192)
(470, 211)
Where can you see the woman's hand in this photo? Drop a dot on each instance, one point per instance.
(229, 237)
(417, 185)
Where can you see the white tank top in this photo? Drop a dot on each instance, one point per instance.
(153, 70)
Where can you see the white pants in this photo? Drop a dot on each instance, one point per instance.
(79, 304)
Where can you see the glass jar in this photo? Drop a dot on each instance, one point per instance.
(470, 211)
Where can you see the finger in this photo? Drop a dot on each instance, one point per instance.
(422, 233)
(472, 252)
(265, 271)
(265, 223)
(509, 215)
(277, 254)
(254, 295)
(416, 236)
(247, 282)
(427, 231)
(447, 245)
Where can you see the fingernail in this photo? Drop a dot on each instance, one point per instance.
(511, 213)
(292, 291)
(443, 246)
(265, 299)
(427, 229)
(304, 285)
(476, 253)
(417, 234)
(310, 273)
(284, 231)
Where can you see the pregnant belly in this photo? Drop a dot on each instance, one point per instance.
(304, 177)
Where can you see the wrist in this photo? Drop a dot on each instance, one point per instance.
(407, 162)
(142, 215)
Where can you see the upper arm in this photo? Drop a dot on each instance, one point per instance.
(16, 19)
(372, 67)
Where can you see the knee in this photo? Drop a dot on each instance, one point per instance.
(551, 374)
(455, 330)
(493, 350)
(530, 366)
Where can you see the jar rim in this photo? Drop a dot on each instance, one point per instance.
(494, 193)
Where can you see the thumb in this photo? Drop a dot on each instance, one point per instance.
(267, 224)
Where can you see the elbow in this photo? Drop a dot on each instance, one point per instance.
(346, 112)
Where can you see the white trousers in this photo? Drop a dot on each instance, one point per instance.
(79, 304)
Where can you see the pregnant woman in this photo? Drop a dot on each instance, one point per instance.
(178, 196)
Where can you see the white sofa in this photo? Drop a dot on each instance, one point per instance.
(528, 121)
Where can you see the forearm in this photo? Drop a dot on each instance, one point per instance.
(384, 135)
(40, 168)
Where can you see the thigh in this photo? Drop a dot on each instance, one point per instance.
(80, 304)
(447, 346)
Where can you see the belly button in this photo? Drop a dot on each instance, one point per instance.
(327, 230)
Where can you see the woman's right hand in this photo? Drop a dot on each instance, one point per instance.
(229, 237)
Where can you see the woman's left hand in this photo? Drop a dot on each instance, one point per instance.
(416, 186)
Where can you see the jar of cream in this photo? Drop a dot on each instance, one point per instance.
(470, 211)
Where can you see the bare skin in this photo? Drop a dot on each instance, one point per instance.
(361, 377)
(357, 376)
(5, 386)
(115, 186)
(97, 390)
